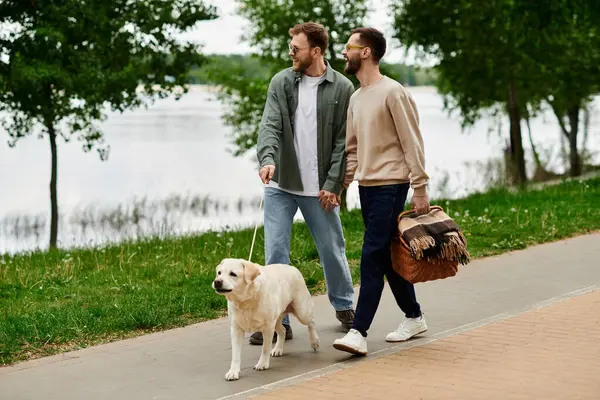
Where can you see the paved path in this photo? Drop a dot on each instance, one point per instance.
(189, 363)
(535, 355)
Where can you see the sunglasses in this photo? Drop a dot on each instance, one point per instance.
(354, 46)
(294, 49)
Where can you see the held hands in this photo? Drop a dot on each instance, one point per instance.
(328, 200)
(266, 173)
(347, 181)
(420, 204)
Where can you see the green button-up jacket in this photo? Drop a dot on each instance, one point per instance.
(276, 133)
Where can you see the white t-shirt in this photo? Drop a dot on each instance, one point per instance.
(305, 136)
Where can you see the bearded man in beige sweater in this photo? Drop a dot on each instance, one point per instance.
(384, 152)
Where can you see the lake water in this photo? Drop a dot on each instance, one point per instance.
(170, 172)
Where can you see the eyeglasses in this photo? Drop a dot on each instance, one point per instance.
(295, 49)
(354, 46)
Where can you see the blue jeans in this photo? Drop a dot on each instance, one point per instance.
(326, 230)
(381, 206)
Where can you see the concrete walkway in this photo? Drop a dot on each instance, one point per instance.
(190, 363)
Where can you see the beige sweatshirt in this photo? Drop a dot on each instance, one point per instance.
(383, 141)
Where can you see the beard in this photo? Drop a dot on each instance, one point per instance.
(303, 64)
(353, 66)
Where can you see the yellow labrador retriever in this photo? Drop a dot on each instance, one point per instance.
(257, 298)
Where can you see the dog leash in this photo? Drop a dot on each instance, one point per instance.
(255, 229)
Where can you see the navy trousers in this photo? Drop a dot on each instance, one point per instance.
(381, 206)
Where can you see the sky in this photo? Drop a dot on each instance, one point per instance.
(222, 35)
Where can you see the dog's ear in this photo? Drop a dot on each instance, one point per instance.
(251, 271)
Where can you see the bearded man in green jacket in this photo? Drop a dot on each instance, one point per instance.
(301, 150)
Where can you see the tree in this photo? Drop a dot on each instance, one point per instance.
(543, 52)
(572, 64)
(69, 60)
(488, 54)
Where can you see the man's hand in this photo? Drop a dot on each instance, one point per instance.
(347, 181)
(328, 200)
(420, 204)
(266, 173)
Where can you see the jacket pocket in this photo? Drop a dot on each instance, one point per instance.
(332, 106)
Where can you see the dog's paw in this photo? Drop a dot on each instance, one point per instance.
(232, 375)
(276, 352)
(261, 366)
(314, 343)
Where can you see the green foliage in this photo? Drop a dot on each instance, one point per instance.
(68, 60)
(474, 68)
(243, 81)
(480, 70)
(243, 84)
(572, 52)
(409, 75)
(269, 22)
(505, 56)
(247, 66)
(572, 63)
(63, 63)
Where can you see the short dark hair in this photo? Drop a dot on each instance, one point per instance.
(315, 33)
(373, 39)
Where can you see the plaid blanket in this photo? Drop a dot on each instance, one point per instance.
(433, 236)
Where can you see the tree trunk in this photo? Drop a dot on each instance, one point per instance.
(516, 140)
(53, 185)
(575, 167)
(586, 128)
(584, 152)
(536, 156)
(574, 158)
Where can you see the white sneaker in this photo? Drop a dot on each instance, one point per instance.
(408, 328)
(354, 342)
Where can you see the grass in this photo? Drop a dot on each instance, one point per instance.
(63, 300)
